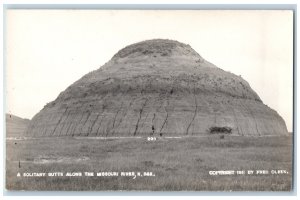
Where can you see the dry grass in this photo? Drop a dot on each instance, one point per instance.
(179, 164)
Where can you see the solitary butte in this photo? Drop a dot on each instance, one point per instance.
(161, 88)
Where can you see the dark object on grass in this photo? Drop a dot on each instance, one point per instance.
(218, 129)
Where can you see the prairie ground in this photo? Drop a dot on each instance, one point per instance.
(176, 164)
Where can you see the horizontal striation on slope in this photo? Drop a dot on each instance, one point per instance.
(128, 115)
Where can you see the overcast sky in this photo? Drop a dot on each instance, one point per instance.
(48, 50)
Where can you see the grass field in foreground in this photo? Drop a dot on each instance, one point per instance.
(179, 164)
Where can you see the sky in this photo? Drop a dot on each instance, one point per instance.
(47, 50)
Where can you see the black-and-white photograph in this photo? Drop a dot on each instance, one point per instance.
(149, 100)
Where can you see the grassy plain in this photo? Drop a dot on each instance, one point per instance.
(179, 164)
